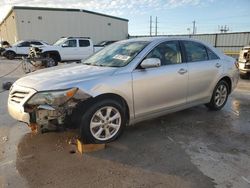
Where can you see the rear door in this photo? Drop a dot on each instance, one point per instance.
(160, 88)
(85, 48)
(204, 67)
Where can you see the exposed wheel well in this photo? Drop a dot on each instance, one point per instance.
(10, 51)
(7, 54)
(83, 106)
(229, 82)
(54, 55)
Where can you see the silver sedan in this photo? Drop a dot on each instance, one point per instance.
(126, 82)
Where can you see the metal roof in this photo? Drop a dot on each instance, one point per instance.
(59, 9)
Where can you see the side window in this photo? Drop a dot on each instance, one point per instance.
(70, 43)
(84, 43)
(211, 55)
(36, 43)
(24, 44)
(195, 51)
(167, 52)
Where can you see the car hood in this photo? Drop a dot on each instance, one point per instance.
(48, 47)
(10, 48)
(63, 77)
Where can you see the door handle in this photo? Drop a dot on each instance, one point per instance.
(182, 71)
(218, 65)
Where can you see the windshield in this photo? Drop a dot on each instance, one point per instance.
(19, 42)
(116, 55)
(60, 41)
(101, 43)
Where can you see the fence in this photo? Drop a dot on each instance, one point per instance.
(229, 43)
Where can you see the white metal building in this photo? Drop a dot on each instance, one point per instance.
(49, 24)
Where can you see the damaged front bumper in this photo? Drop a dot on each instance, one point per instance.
(17, 97)
(43, 115)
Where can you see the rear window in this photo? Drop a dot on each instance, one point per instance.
(84, 43)
(195, 51)
(211, 55)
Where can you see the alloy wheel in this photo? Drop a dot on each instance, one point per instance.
(220, 95)
(105, 123)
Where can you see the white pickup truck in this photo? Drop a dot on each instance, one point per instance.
(67, 49)
(244, 62)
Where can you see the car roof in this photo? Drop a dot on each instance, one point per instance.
(76, 37)
(156, 39)
(30, 40)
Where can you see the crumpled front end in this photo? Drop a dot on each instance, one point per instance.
(17, 97)
(47, 109)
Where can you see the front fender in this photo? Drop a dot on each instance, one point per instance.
(120, 85)
(51, 53)
(6, 51)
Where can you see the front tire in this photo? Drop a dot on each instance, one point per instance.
(50, 62)
(103, 122)
(219, 97)
(10, 55)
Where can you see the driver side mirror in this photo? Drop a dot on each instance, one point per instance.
(150, 63)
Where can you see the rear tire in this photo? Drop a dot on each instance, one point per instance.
(219, 97)
(103, 122)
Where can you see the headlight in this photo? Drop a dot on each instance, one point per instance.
(53, 98)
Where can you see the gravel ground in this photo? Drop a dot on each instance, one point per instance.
(190, 148)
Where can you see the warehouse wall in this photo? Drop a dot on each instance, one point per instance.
(51, 25)
(8, 29)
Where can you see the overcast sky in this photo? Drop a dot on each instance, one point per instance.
(174, 16)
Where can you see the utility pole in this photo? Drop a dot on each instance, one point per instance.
(194, 28)
(150, 26)
(156, 26)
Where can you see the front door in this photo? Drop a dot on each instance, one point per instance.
(23, 48)
(70, 50)
(164, 87)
